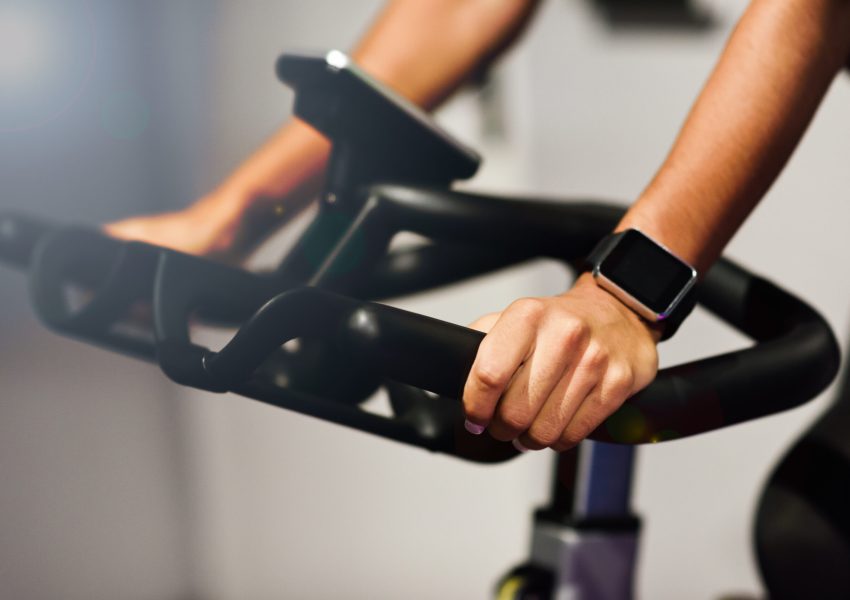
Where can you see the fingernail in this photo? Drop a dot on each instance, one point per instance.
(519, 446)
(474, 428)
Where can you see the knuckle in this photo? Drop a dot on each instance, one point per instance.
(649, 353)
(646, 370)
(514, 419)
(622, 379)
(569, 439)
(584, 425)
(490, 376)
(574, 332)
(595, 356)
(545, 434)
(528, 308)
(598, 402)
(577, 432)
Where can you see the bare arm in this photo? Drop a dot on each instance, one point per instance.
(552, 369)
(748, 120)
(422, 49)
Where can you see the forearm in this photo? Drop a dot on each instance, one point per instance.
(764, 91)
(423, 50)
(426, 50)
(551, 370)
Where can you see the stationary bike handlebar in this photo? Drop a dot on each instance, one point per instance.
(794, 357)
(377, 138)
(19, 236)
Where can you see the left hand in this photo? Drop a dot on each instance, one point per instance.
(215, 227)
(551, 370)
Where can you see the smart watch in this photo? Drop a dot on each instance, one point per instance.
(646, 277)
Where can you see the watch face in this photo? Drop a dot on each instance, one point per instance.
(647, 272)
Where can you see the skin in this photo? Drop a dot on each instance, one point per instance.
(562, 365)
(550, 370)
(423, 50)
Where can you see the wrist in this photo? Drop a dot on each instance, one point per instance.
(586, 285)
(290, 164)
(227, 203)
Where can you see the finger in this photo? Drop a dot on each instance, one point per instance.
(556, 353)
(502, 351)
(485, 323)
(562, 405)
(560, 408)
(121, 229)
(615, 388)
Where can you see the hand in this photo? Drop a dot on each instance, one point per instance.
(551, 370)
(217, 226)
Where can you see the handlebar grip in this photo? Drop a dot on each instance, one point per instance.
(796, 355)
(110, 275)
(407, 347)
(795, 358)
(187, 285)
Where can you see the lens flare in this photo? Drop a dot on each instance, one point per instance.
(48, 53)
(26, 45)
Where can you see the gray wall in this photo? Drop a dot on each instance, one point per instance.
(97, 115)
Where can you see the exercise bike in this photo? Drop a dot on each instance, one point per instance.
(391, 169)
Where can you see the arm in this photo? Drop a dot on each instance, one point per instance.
(770, 80)
(562, 365)
(423, 50)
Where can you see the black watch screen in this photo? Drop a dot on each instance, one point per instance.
(647, 271)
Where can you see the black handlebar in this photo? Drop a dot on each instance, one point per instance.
(796, 355)
(378, 137)
(110, 278)
(794, 358)
(19, 236)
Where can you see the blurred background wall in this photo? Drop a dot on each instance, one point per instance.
(97, 120)
(116, 484)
